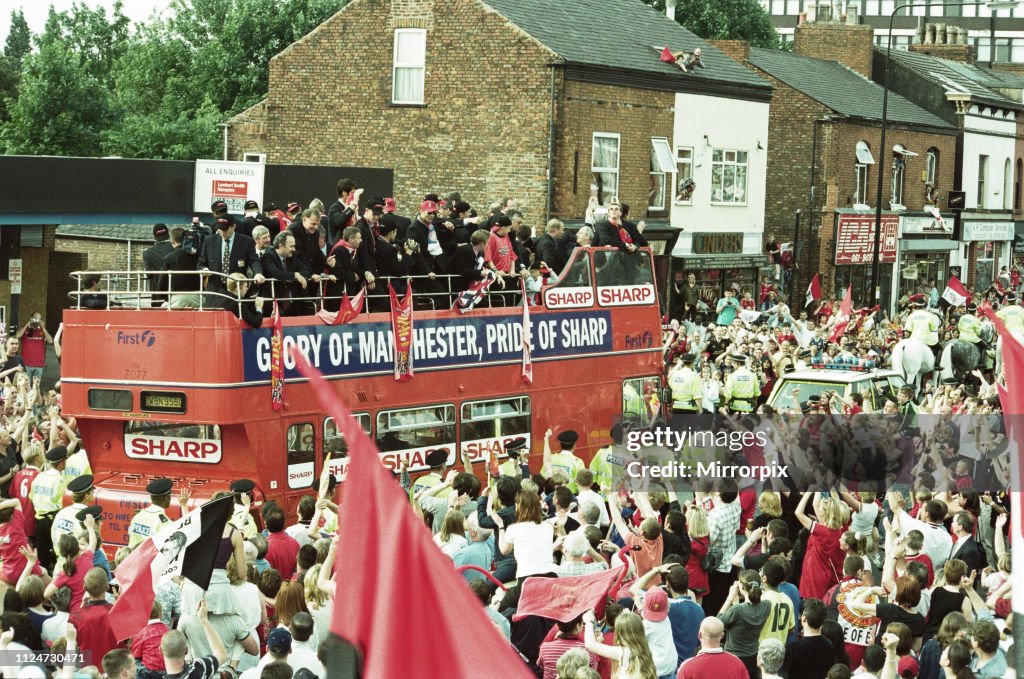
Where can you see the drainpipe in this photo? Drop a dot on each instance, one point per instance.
(551, 151)
(225, 126)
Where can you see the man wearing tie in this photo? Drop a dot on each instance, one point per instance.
(279, 266)
(966, 548)
(230, 253)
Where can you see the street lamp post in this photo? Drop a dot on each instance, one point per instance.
(876, 281)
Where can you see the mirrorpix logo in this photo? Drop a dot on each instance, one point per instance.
(641, 341)
(145, 338)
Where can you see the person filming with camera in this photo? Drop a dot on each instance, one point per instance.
(34, 338)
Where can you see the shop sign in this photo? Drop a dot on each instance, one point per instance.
(726, 262)
(910, 273)
(988, 231)
(926, 225)
(855, 239)
(717, 243)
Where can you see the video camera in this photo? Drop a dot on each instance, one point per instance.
(192, 239)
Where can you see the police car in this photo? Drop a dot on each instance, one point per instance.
(876, 385)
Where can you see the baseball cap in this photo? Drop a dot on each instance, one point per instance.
(655, 605)
(279, 640)
(160, 230)
(389, 204)
(218, 206)
(428, 206)
(251, 205)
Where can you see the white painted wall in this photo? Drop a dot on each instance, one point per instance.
(984, 137)
(731, 124)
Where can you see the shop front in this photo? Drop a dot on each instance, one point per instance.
(989, 247)
(719, 260)
(854, 255)
(925, 247)
(1018, 248)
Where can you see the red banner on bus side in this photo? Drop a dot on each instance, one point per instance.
(277, 363)
(401, 328)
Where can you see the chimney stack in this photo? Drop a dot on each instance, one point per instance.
(849, 44)
(670, 9)
(944, 42)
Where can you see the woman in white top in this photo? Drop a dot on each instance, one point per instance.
(452, 536)
(710, 387)
(631, 653)
(530, 539)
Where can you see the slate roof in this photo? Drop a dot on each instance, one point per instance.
(841, 89)
(957, 76)
(620, 34)
(122, 232)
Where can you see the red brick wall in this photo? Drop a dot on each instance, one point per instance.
(635, 114)
(963, 53)
(738, 50)
(849, 44)
(105, 255)
(248, 132)
(484, 129)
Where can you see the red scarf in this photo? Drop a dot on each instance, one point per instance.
(624, 235)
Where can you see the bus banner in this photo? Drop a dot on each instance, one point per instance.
(172, 449)
(368, 348)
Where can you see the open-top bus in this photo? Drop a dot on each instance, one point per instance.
(186, 393)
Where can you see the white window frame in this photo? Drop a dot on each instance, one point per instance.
(662, 167)
(931, 166)
(982, 172)
(723, 161)
(408, 65)
(1008, 184)
(606, 196)
(862, 174)
(899, 171)
(682, 162)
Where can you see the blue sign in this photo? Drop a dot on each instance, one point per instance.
(361, 348)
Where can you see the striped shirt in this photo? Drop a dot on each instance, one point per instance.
(551, 651)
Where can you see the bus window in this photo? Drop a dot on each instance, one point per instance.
(487, 425)
(572, 290)
(623, 278)
(411, 431)
(110, 399)
(300, 442)
(333, 443)
(171, 441)
(641, 402)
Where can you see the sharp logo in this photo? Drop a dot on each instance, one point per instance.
(146, 338)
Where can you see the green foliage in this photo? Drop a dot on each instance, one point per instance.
(19, 38)
(61, 107)
(8, 85)
(158, 90)
(725, 20)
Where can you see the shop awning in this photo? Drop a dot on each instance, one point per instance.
(927, 245)
(692, 261)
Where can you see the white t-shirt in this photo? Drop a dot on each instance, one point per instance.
(532, 543)
(938, 543)
(663, 648)
(590, 496)
(454, 544)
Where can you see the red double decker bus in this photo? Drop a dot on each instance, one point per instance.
(186, 393)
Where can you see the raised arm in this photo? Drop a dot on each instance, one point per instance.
(212, 636)
(737, 557)
(800, 514)
(593, 645)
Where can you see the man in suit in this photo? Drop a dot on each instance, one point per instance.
(179, 260)
(341, 213)
(309, 258)
(229, 253)
(467, 262)
(966, 548)
(279, 266)
(390, 218)
(236, 301)
(549, 246)
(153, 259)
(350, 277)
(392, 262)
(368, 225)
(613, 232)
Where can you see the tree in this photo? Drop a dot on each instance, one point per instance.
(8, 85)
(725, 20)
(61, 108)
(99, 40)
(19, 39)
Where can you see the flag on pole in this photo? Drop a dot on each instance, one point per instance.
(527, 372)
(471, 296)
(563, 599)
(401, 329)
(955, 293)
(388, 567)
(843, 317)
(276, 362)
(813, 291)
(186, 548)
(350, 308)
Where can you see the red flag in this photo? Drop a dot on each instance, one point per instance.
(563, 599)
(349, 309)
(666, 56)
(813, 291)
(186, 548)
(401, 329)
(397, 597)
(527, 372)
(276, 362)
(955, 293)
(843, 317)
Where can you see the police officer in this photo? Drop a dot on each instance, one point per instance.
(922, 325)
(564, 460)
(241, 518)
(515, 466)
(969, 326)
(1012, 314)
(435, 459)
(152, 519)
(47, 494)
(687, 389)
(609, 462)
(741, 387)
(76, 465)
(66, 520)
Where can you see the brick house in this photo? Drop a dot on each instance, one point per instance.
(547, 102)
